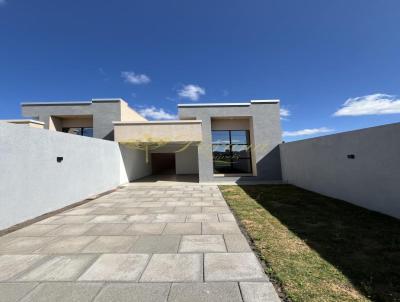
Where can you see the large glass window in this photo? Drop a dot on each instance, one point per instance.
(84, 131)
(231, 151)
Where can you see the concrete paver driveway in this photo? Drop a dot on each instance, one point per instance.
(143, 242)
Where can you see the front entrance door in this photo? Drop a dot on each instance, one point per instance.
(163, 163)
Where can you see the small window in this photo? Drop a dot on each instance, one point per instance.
(83, 131)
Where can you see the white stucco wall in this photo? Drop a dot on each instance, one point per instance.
(133, 164)
(32, 182)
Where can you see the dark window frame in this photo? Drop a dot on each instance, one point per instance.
(230, 144)
(66, 129)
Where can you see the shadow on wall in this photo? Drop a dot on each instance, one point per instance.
(268, 168)
(134, 165)
(363, 245)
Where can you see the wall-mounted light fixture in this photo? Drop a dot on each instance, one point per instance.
(60, 159)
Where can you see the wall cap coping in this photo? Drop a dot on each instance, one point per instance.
(265, 101)
(23, 121)
(58, 103)
(229, 104)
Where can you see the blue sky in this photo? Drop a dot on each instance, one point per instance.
(312, 55)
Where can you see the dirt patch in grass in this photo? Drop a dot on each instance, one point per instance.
(319, 248)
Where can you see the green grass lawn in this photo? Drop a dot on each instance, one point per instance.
(319, 248)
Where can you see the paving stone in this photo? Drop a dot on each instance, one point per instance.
(159, 210)
(107, 229)
(5, 240)
(169, 199)
(59, 268)
(188, 210)
(131, 292)
(72, 219)
(219, 210)
(11, 265)
(131, 211)
(170, 218)
(10, 292)
(226, 217)
(109, 219)
(63, 292)
(180, 203)
(173, 268)
(205, 292)
(48, 220)
(105, 211)
(70, 230)
(201, 194)
(190, 199)
(202, 217)
(34, 230)
(156, 244)
(202, 203)
(75, 211)
(116, 267)
(183, 228)
(23, 245)
(236, 243)
(157, 223)
(103, 204)
(152, 204)
(110, 244)
(66, 245)
(232, 267)
(141, 218)
(140, 198)
(145, 228)
(259, 292)
(202, 244)
(134, 206)
(214, 228)
(118, 211)
(220, 203)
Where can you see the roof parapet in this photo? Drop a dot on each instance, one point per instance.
(69, 103)
(264, 101)
(229, 104)
(55, 103)
(23, 121)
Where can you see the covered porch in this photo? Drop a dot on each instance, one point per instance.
(170, 147)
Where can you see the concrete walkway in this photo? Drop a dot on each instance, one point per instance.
(144, 242)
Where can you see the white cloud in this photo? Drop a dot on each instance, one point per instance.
(156, 113)
(191, 92)
(377, 103)
(284, 113)
(305, 132)
(133, 78)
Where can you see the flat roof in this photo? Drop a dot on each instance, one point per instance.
(230, 104)
(66, 103)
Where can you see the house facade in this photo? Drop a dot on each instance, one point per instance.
(216, 141)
